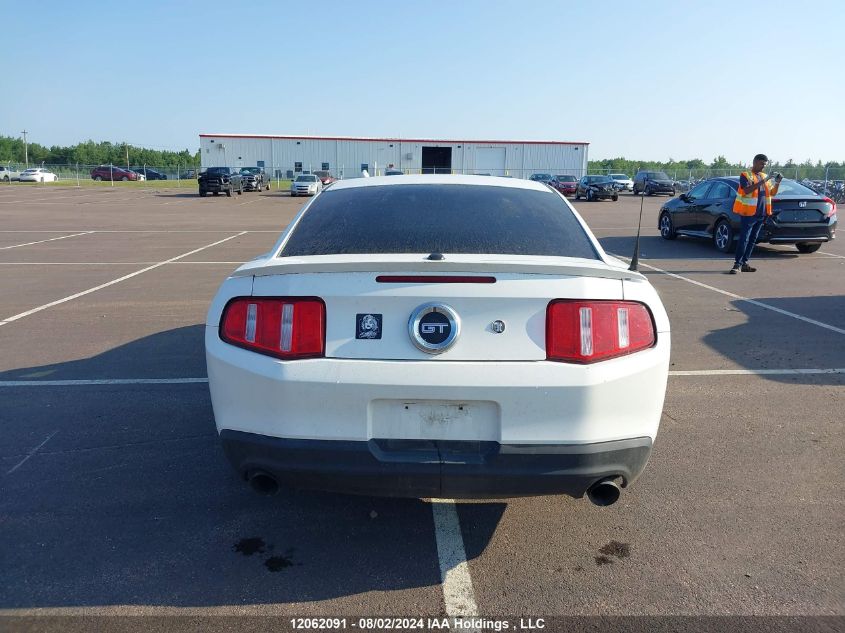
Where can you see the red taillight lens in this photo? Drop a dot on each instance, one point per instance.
(832, 204)
(284, 327)
(579, 331)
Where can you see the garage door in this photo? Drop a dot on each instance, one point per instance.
(490, 160)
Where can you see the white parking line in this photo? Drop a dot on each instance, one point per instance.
(831, 255)
(276, 231)
(458, 593)
(760, 304)
(31, 453)
(114, 281)
(105, 263)
(102, 381)
(52, 239)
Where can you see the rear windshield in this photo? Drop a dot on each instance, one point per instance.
(566, 178)
(792, 188)
(429, 218)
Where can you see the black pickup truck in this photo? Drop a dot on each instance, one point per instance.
(220, 179)
(254, 179)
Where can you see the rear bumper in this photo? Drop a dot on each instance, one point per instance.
(796, 233)
(422, 468)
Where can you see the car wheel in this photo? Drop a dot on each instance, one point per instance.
(98, 178)
(202, 193)
(615, 198)
(577, 195)
(723, 237)
(807, 248)
(667, 229)
(125, 178)
(673, 193)
(229, 192)
(648, 192)
(589, 195)
(5, 179)
(214, 193)
(292, 194)
(240, 190)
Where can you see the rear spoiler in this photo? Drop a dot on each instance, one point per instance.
(561, 266)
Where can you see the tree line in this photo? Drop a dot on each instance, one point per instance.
(698, 167)
(93, 153)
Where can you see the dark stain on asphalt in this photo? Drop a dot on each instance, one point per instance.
(603, 560)
(250, 546)
(616, 549)
(278, 563)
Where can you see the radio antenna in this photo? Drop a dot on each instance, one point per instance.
(635, 260)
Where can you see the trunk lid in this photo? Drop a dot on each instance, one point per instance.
(519, 297)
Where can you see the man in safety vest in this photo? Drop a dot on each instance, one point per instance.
(754, 203)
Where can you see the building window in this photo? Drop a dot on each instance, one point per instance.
(297, 167)
(325, 167)
(260, 164)
(365, 167)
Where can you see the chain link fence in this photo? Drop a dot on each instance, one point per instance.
(827, 181)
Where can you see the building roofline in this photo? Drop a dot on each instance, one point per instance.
(394, 140)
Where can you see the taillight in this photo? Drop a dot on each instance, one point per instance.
(580, 331)
(832, 204)
(284, 327)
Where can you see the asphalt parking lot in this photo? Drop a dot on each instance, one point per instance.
(115, 496)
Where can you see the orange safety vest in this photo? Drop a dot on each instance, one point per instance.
(747, 204)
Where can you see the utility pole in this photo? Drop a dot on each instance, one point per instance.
(25, 150)
(126, 147)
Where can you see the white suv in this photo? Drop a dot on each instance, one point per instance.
(8, 174)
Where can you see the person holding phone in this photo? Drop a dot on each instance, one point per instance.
(754, 203)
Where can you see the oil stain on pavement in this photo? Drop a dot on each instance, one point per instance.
(615, 549)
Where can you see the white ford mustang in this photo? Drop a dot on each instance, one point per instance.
(438, 336)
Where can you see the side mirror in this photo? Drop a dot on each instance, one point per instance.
(685, 198)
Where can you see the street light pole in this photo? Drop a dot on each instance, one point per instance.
(25, 150)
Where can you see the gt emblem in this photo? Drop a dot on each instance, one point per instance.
(434, 327)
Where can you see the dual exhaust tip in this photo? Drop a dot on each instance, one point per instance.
(605, 492)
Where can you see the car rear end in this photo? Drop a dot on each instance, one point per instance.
(800, 216)
(367, 354)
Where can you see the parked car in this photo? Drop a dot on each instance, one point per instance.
(596, 188)
(544, 178)
(800, 216)
(567, 185)
(111, 172)
(218, 180)
(371, 352)
(326, 177)
(38, 174)
(140, 175)
(189, 174)
(652, 182)
(254, 179)
(306, 185)
(7, 174)
(622, 181)
(393, 172)
(150, 174)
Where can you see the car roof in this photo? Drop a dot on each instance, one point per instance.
(440, 179)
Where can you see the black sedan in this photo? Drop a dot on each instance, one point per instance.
(596, 188)
(150, 174)
(800, 216)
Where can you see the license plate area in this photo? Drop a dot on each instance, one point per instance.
(799, 215)
(471, 420)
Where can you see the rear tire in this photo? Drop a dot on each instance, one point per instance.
(589, 196)
(723, 237)
(125, 178)
(215, 193)
(202, 193)
(615, 198)
(807, 248)
(667, 228)
(98, 178)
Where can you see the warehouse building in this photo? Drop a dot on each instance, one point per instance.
(348, 157)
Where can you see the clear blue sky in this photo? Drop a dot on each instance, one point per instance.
(644, 80)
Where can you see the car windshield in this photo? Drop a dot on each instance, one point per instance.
(566, 178)
(249, 170)
(439, 218)
(322, 174)
(217, 170)
(597, 180)
(619, 176)
(306, 179)
(657, 175)
(542, 176)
